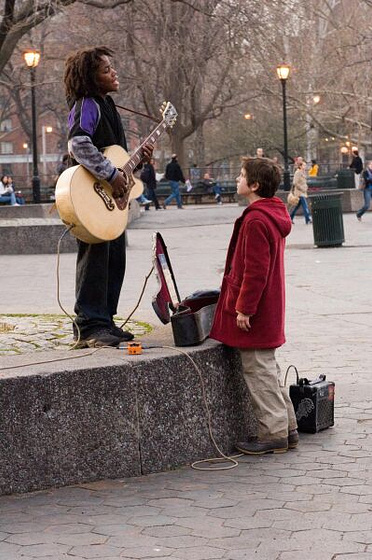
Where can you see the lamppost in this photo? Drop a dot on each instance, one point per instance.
(44, 131)
(25, 147)
(344, 156)
(283, 73)
(32, 57)
(312, 139)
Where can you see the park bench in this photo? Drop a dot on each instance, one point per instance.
(198, 194)
(322, 182)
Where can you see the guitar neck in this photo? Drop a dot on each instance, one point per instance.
(136, 158)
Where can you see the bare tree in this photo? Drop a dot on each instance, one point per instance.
(19, 17)
(214, 60)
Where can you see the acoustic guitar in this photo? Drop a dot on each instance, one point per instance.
(87, 204)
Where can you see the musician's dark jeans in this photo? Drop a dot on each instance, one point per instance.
(100, 272)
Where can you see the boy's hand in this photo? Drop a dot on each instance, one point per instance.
(243, 321)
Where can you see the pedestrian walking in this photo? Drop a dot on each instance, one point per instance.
(357, 165)
(148, 177)
(300, 190)
(251, 307)
(367, 191)
(173, 173)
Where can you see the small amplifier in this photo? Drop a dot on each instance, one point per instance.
(313, 402)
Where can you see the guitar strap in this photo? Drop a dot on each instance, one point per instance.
(138, 113)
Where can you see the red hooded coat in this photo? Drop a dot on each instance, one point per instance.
(254, 281)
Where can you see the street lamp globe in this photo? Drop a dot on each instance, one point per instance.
(283, 71)
(31, 57)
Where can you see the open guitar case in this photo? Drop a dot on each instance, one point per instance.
(191, 318)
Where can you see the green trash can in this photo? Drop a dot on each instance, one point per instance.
(345, 179)
(328, 225)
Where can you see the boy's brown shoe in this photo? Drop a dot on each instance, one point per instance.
(293, 439)
(257, 447)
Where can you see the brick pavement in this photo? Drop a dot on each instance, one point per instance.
(314, 502)
(23, 333)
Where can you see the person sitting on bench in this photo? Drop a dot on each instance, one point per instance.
(211, 186)
(7, 195)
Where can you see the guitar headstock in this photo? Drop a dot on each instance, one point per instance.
(169, 113)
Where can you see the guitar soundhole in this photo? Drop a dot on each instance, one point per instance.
(104, 196)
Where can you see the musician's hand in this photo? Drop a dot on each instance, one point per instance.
(147, 152)
(119, 186)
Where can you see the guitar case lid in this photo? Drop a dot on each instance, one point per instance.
(168, 297)
(192, 317)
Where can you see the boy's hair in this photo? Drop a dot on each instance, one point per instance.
(80, 72)
(265, 172)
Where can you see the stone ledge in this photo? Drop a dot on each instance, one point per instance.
(34, 239)
(36, 228)
(27, 211)
(110, 415)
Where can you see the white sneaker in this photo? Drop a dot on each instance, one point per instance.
(16, 204)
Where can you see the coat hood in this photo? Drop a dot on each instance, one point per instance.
(275, 210)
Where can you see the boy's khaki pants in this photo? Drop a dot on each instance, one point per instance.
(270, 400)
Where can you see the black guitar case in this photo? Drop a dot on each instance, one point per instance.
(191, 318)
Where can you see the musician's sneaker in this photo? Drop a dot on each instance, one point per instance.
(101, 337)
(125, 336)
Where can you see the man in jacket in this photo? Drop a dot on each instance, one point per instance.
(173, 174)
(148, 176)
(367, 191)
(357, 166)
(250, 310)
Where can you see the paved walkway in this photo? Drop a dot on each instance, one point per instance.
(313, 503)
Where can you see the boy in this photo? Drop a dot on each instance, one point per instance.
(250, 309)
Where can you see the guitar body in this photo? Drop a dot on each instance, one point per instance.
(88, 205)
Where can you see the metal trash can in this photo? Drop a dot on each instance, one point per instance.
(328, 225)
(346, 179)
